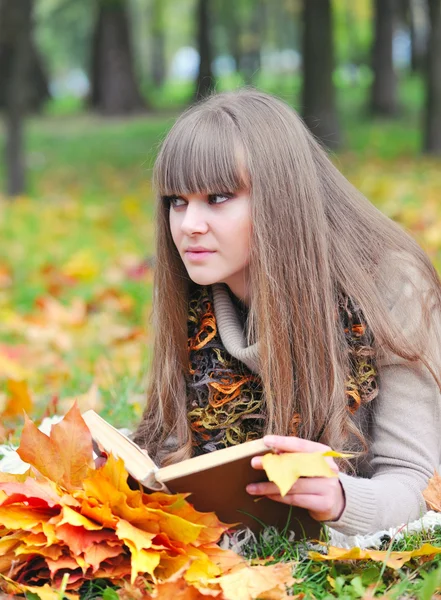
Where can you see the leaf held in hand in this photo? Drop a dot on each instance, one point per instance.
(284, 469)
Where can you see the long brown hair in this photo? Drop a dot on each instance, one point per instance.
(313, 235)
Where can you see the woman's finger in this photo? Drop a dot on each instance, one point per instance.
(304, 486)
(293, 444)
(319, 507)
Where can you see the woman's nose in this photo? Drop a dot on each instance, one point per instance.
(195, 220)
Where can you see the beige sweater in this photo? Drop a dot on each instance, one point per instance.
(403, 423)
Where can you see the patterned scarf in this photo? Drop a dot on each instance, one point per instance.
(225, 398)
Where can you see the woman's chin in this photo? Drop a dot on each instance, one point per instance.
(201, 279)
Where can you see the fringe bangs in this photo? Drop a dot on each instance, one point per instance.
(202, 154)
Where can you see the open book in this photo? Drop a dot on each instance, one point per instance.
(216, 481)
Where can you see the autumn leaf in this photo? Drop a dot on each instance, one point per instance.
(432, 493)
(44, 592)
(39, 494)
(265, 582)
(37, 450)
(67, 516)
(395, 560)
(66, 456)
(82, 265)
(19, 399)
(175, 588)
(74, 441)
(10, 365)
(80, 540)
(284, 469)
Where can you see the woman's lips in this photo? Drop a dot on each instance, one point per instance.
(198, 256)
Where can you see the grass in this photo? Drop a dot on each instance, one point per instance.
(84, 233)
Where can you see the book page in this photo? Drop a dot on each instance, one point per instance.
(137, 461)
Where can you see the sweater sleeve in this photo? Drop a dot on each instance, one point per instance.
(405, 435)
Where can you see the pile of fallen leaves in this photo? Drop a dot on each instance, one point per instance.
(65, 522)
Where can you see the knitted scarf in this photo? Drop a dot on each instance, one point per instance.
(225, 399)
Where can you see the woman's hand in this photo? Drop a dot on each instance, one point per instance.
(323, 497)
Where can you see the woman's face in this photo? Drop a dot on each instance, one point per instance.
(212, 234)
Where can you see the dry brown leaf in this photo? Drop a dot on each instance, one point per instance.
(432, 493)
(267, 582)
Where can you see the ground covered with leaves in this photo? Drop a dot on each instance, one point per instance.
(76, 258)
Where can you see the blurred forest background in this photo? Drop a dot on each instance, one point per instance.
(88, 88)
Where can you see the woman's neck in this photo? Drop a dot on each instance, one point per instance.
(240, 288)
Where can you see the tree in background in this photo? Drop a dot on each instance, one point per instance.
(432, 128)
(252, 41)
(17, 91)
(318, 94)
(157, 42)
(114, 89)
(229, 19)
(384, 87)
(205, 78)
(416, 15)
(38, 87)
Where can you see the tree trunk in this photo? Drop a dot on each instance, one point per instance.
(384, 87)
(205, 79)
(229, 18)
(157, 52)
(14, 153)
(432, 134)
(15, 25)
(319, 110)
(38, 86)
(418, 29)
(114, 89)
(233, 29)
(250, 61)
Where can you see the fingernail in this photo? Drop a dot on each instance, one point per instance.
(251, 489)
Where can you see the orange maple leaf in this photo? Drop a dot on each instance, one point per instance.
(66, 456)
(19, 399)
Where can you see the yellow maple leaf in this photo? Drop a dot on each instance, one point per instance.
(395, 560)
(72, 517)
(143, 561)
(284, 469)
(141, 540)
(201, 567)
(81, 265)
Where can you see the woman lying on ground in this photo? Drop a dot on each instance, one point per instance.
(286, 304)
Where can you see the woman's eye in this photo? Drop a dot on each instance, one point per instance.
(219, 198)
(176, 201)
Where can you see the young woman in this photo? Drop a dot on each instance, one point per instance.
(286, 304)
